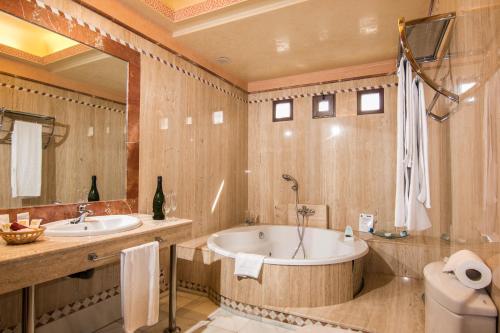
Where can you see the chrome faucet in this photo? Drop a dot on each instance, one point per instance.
(306, 211)
(84, 212)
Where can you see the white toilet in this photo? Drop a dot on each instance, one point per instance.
(450, 307)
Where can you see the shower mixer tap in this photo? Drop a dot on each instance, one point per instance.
(305, 211)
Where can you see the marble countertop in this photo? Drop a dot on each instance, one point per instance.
(50, 245)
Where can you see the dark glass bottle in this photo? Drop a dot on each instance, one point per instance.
(93, 194)
(158, 201)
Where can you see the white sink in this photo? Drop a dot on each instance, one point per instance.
(93, 226)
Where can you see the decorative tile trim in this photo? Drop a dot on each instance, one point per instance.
(62, 98)
(173, 66)
(279, 316)
(252, 310)
(202, 8)
(323, 92)
(190, 11)
(82, 304)
(12, 329)
(191, 286)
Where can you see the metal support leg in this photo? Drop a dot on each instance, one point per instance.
(172, 291)
(28, 310)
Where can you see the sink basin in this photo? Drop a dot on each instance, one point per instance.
(93, 226)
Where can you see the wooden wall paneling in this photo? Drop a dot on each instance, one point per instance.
(346, 162)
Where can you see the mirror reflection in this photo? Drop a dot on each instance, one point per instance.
(62, 119)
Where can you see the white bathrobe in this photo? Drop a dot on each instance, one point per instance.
(412, 170)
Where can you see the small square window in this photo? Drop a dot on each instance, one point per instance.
(323, 106)
(371, 101)
(283, 110)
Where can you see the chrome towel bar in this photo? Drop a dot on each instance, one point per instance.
(94, 257)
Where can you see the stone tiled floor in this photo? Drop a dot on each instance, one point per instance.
(197, 314)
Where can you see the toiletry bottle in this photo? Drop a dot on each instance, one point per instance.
(158, 201)
(93, 194)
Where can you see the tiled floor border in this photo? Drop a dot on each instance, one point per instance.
(244, 309)
(239, 308)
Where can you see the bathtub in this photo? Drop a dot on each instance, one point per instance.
(331, 272)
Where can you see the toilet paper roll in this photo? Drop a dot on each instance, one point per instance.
(469, 269)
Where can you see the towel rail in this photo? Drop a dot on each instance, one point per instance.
(440, 90)
(47, 122)
(94, 257)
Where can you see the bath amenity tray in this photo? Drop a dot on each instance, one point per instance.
(22, 237)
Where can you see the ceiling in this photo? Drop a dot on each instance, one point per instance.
(29, 38)
(64, 59)
(265, 39)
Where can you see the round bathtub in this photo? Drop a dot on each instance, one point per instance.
(331, 272)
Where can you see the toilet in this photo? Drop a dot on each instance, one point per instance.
(451, 307)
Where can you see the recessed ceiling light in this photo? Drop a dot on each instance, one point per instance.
(223, 60)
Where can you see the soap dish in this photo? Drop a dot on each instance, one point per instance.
(22, 237)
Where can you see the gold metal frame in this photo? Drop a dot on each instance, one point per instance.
(402, 24)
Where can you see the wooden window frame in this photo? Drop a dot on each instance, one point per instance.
(360, 93)
(331, 113)
(279, 102)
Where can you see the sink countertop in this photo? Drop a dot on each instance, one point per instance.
(50, 258)
(51, 245)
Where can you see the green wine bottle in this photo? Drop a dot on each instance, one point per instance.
(158, 201)
(93, 194)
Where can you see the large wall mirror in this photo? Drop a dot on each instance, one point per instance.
(63, 113)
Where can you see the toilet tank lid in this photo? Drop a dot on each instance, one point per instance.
(445, 289)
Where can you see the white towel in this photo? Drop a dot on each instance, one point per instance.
(248, 265)
(140, 286)
(26, 159)
(412, 168)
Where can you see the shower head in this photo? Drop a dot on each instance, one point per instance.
(289, 178)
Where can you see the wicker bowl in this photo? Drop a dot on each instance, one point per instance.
(22, 237)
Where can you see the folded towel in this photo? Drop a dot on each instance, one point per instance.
(26, 159)
(140, 286)
(248, 265)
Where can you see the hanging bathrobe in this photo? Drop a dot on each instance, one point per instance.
(412, 170)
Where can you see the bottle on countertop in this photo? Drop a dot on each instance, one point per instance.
(93, 193)
(158, 201)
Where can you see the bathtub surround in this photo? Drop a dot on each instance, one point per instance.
(330, 274)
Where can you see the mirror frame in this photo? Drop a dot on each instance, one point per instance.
(54, 20)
